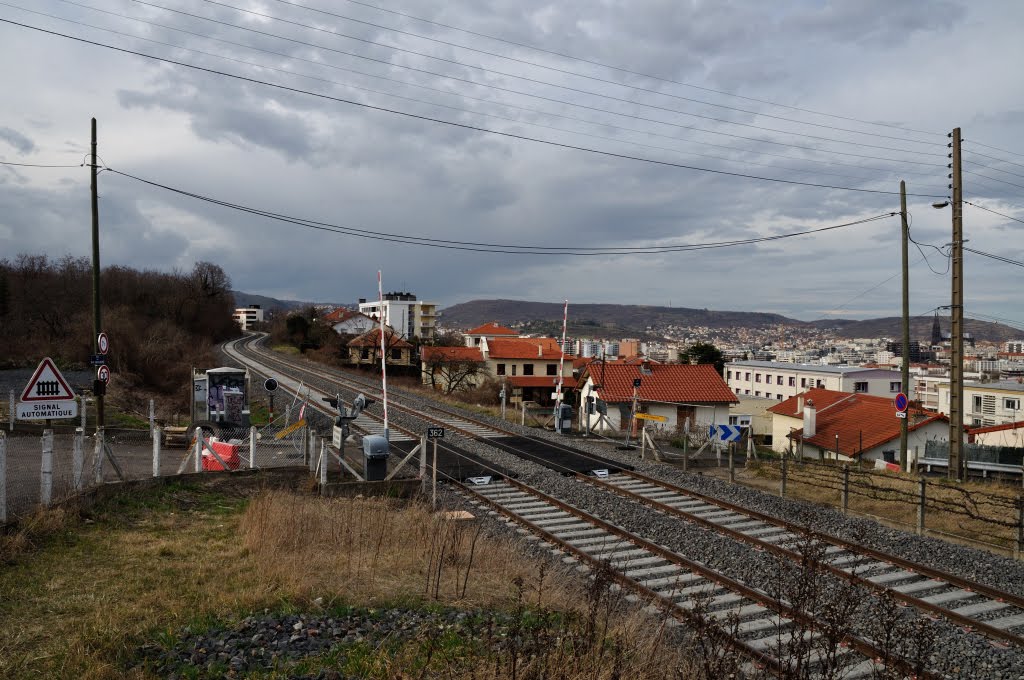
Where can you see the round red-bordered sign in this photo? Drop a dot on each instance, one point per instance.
(901, 402)
(102, 343)
(103, 374)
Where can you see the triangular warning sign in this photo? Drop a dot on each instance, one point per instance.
(47, 384)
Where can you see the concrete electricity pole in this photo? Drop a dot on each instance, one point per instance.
(97, 326)
(905, 364)
(957, 460)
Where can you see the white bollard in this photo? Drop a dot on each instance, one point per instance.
(252, 447)
(98, 462)
(46, 470)
(78, 459)
(156, 451)
(3, 478)
(199, 449)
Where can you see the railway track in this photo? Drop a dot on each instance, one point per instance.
(762, 629)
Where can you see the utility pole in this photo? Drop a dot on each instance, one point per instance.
(98, 387)
(957, 461)
(905, 364)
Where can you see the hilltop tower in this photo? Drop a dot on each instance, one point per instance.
(936, 331)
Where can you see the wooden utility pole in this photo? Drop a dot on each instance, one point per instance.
(957, 462)
(97, 327)
(905, 364)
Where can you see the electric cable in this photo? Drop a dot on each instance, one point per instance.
(497, 88)
(993, 179)
(989, 167)
(947, 255)
(446, 122)
(636, 73)
(491, 247)
(41, 165)
(1015, 219)
(528, 63)
(994, 158)
(1000, 258)
(513, 75)
(478, 113)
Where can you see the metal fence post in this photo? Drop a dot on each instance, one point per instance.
(732, 462)
(686, 446)
(199, 450)
(252, 447)
(98, 461)
(78, 458)
(423, 461)
(1019, 552)
(782, 482)
(306, 455)
(3, 478)
(323, 466)
(82, 400)
(846, 489)
(920, 506)
(155, 433)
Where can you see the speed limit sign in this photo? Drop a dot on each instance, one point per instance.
(102, 343)
(103, 374)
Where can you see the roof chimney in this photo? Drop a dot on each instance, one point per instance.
(540, 350)
(799, 404)
(810, 419)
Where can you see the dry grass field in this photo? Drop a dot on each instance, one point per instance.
(81, 592)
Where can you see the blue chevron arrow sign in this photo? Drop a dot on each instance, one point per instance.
(725, 433)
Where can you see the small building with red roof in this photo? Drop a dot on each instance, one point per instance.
(1006, 434)
(843, 426)
(676, 392)
(349, 321)
(364, 350)
(488, 331)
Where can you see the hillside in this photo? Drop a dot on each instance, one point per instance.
(639, 320)
(243, 299)
(631, 319)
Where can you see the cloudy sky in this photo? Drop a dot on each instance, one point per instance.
(449, 123)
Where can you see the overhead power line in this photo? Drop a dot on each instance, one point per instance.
(527, 62)
(1000, 258)
(41, 165)
(981, 207)
(465, 126)
(515, 76)
(993, 158)
(494, 247)
(993, 179)
(628, 71)
(994, 148)
(488, 101)
(488, 86)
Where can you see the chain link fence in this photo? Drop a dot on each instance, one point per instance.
(40, 469)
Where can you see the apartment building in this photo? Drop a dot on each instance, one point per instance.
(987, 404)
(247, 317)
(403, 312)
(780, 380)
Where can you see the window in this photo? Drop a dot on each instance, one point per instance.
(803, 382)
(778, 380)
(501, 369)
(513, 369)
(747, 376)
(895, 386)
(747, 392)
(757, 394)
(822, 384)
(728, 375)
(977, 402)
(860, 387)
(396, 353)
(1011, 404)
(527, 369)
(737, 390)
(552, 369)
(757, 377)
(364, 353)
(779, 397)
(768, 379)
(792, 381)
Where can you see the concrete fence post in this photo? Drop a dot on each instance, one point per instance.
(3, 478)
(782, 481)
(10, 411)
(423, 462)
(252, 447)
(323, 466)
(846, 489)
(46, 470)
(152, 419)
(922, 498)
(155, 433)
(306, 455)
(82, 414)
(731, 450)
(1018, 553)
(199, 450)
(78, 458)
(97, 464)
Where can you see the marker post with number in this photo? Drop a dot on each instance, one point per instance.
(434, 433)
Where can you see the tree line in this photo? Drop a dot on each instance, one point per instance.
(159, 323)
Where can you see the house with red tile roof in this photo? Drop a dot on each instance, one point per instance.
(488, 331)
(349, 322)
(365, 349)
(528, 367)
(849, 426)
(673, 391)
(1006, 434)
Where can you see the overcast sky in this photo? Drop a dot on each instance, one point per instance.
(855, 94)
